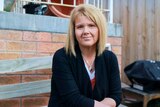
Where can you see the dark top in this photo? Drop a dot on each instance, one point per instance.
(70, 83)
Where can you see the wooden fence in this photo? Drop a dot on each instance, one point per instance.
(141, 29)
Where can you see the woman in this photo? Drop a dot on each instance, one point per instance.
(84, 73)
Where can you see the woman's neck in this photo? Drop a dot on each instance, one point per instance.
(88, 52)
(88, 55)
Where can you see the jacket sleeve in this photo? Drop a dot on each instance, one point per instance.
(114, 78)
(66, 85)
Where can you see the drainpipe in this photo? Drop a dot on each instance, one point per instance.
(1, 5)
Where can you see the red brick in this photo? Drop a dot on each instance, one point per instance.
(120, 70)
(29, 36)
(14, 46)
(40, 95)
(43, 71)
(28, 54)
(4, 56)
(59, 37)
(10, 103)
(117, 50)
(35, 101)
(44, 47)
(114, 40)
(29, 46)
(2, 45)
(44, 95)
(43, 36)
(57, 46)
(119, 59)
(10, 35)
(49, 47)
(9, 79)
(33, 72)
(29, 78)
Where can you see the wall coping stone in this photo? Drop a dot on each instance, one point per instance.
(40, 23)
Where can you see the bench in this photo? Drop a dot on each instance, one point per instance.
(139, 95)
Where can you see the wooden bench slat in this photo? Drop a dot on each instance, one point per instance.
(24, 89)
(25, 64)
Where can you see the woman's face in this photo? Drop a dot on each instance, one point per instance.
(86, 32)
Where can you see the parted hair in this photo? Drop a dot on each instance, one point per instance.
(97, 17)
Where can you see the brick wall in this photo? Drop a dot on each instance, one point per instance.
(24, 44)
(116, 45)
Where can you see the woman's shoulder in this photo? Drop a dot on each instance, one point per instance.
(109, 54)
(60, 53)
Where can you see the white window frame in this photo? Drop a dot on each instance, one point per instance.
(1, 5)
(110, 11)
(100, 6)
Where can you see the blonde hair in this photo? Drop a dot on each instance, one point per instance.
(97, 17)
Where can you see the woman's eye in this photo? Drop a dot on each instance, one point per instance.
(80, 26)
(92, 25)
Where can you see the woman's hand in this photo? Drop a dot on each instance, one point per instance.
(100, 104)
(109, 102)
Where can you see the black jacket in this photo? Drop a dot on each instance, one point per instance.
(71, 86)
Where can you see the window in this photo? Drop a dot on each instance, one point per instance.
(105, 5)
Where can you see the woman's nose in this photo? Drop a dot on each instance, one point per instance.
(86, 29)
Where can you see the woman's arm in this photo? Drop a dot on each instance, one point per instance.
(115, 91)
(65, 84)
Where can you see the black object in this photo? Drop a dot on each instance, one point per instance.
(41, 10)
(32, 8)
(154, 103)
(145, 73)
